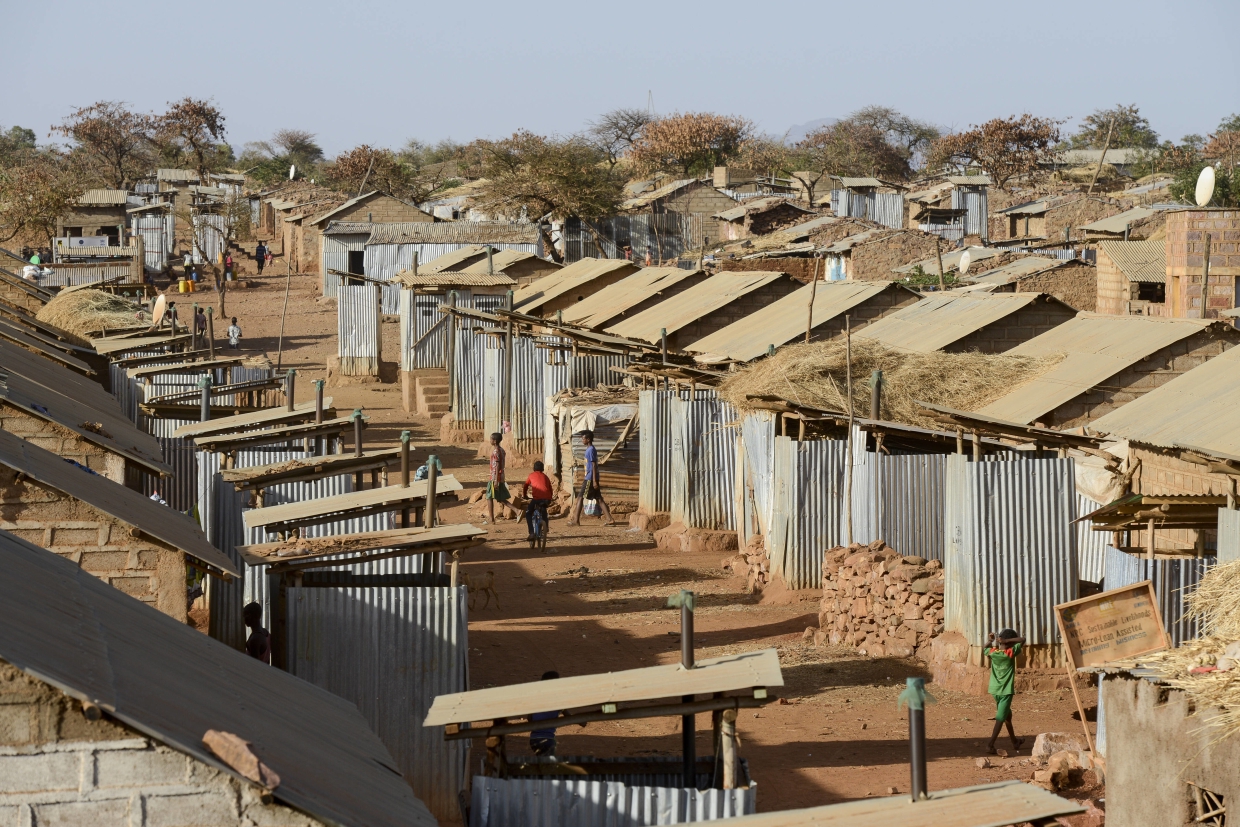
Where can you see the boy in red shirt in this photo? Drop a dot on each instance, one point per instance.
(538, 488)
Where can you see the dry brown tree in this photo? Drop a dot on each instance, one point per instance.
(1003, 147)
(192, 129)
(692, 144)
(116, 143)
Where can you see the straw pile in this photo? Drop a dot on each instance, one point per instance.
(86, 312)
(815, 375)
(1215, 695)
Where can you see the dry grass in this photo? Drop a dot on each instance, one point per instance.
(814, 375)
(86, 312)
(1215, 603)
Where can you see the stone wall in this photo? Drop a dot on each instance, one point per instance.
(880, 601)
(14, 295)
(801, 269)
(58, 768)
(875, 261)
(101, 544)
(1075, 284)
(62, 442)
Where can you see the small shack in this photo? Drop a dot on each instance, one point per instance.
(373, 208)
(759, 216)
(91, 678)
(787, 320)
(576, 282)
(116, 534)
(958, 322)
(1109, 361)
(98, 212)
(869, 198)
(1050, 219)
(611, 413)
(1138, 223)
(872, 255)
(705, 308)
(570, 791)
(1132, 278)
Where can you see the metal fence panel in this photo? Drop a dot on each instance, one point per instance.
(1011, 555)
(336, 249)
(886, 208)
(538, 802)
(704, 433)
(156, 232)
(1228, 535)
(391, 651)
(1091, 545)
(756, 481)
(908, 501)
(664, 235)
(210, 231)
(358, 333)
(591, 371)
(655, 451)
(1173, 581)
(70, 276)
(973, 201)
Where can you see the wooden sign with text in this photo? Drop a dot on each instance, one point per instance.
(1115, 625)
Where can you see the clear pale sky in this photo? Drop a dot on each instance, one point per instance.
(383, 72)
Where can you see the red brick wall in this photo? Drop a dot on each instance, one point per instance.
(1186, 243)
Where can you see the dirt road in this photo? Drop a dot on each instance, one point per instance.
(594, 602)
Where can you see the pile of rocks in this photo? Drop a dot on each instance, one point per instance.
(753, 564)
(880, 601)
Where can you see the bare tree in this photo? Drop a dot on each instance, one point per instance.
(615, 131)
(692, 143)
(194, 129)
(1002, 147)
(116, 141)
(911, 136)
(222, 223)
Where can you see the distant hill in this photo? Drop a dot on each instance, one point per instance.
(799, 131)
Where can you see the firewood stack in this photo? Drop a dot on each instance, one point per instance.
(880, 601)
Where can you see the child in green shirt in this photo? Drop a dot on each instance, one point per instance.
(1002, 652)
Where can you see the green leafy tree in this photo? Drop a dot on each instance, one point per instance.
(36, 188)
(1131, 129)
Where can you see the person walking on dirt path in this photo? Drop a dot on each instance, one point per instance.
(258, 645)
(200, 323)
(260, 256)
(589, 485)
(497, 491)
(1003, 651)
(234, 334)
(537, 489)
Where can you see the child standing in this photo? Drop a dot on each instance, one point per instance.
(497, 491)
(234, 334)
(258, 645)
(589, 485)
(538, 488)
(1003, 651)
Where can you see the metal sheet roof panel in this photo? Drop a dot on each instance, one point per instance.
(1139, 261)
(1097, 347)
(940, 320)
(573, 277)
(631, 291)
(455, 232)
(724, 674)
(687, 307)
(69, 629)
(1118, 223)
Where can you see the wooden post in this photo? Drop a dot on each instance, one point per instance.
(428, 511)
(800, 429)
(290, 383)
(506, 406)
(663, 343)
(938, 252)
(727, 748)
(451, 361)
(404, 474)
(319, 442)
(876, 395)
(288, 283)
(959, 440)
(1205, 278)
(977, 447)
(455, 579)
(813, 291)
(357, 446)
(1149, 548)
(848, 499)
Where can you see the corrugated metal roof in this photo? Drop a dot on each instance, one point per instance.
(1096, 347)
(1196, 409)
(1140, 261)
(114, 499)
(687, 307)
(386, 495)
(1118, 223)
(421, 280)
(176, 175)
(729, 673)
(784, 320)
(940, 320)
(32, 341)
(850, 183)
(1013, 270)
(218, 192)
(969, 180)
(231, 177)
(500, 259)
(454, 260)
(103, 198)
(349, 228)
(935, 193)
(69, 629)
(573, 277)
(647, 198)
(337, 546)
(50, 396)
(248, 421)
(1028, 208)
(611, 301)
(756, 205)
(986, 805)
(455, 232)
(951, 261)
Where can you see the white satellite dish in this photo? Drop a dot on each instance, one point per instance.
(158, 309)
(1205, 186)
(292, 170)
(965, 258)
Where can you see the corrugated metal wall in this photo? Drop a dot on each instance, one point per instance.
(468, 381)
(358, 333)
(65, 276)
(704, 434)
(1228, 535)
(886, 208)
(336, 249)
(655, 451)
(973, 200)
(1011, 548)
(156, 230)
(1173, 581)
(591, 371)
(537, 802)
(807, 504)
(665, 235)
(391, 650)
(424, 330)
(907, 502)
(1091, 545)
(209, 234)
(757, 456)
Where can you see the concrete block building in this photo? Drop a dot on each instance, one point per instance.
(1132, 278)
(1189, 234)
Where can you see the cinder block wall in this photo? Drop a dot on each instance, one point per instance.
(62, 442)
(1076, 285)
(863, 314)
(1114, 288)
(1186, 243)
(19, 298)
(1032, 320)
(1139, 379)
(102, 545)
(59, 768)
(732, 312)
(876, 260)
